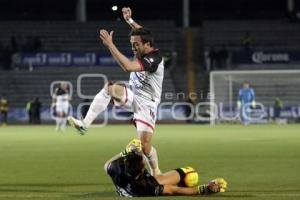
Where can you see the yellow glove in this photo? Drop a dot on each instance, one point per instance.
(134, 144)
(253, 104)
(221, 182)
(214, 186)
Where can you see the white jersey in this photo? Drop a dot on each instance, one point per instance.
(61, 96)
(148, 82)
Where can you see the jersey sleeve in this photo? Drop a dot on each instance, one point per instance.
(113, 170)
(150, 62)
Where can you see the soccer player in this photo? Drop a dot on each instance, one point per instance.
(131, 178)
(143, 92)
(61, 98)
(4, 110)
(246, 100)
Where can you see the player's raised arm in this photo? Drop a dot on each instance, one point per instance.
(127, 15)
(126, 64)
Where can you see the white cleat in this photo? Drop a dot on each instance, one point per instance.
(78, 125)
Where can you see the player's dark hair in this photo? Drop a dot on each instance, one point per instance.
(145, 34)
(134, 164)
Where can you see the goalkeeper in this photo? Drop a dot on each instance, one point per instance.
(246, 101)
(131, 178)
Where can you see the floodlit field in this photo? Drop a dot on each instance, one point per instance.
(259, 162)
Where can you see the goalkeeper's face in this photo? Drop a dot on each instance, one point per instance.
(137, 46)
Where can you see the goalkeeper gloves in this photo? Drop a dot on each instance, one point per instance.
(214, 186)
(253, 104)
(134, 144)
(239, 104)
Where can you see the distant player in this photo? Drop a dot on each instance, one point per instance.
(131, 178)
(3, 110)
(61, 98)
(246, 101)
(142, 94)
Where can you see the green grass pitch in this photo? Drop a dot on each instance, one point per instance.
(259, 161)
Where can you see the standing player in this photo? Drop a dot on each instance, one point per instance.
(143, 92)
(61, 98)
(3, 110)
(246, 100)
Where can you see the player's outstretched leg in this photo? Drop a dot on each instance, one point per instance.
(98, 105)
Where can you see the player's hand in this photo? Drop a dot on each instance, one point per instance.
(214, 186)
(217, 185)
(106, 37)
(126, 13)
(134, 144)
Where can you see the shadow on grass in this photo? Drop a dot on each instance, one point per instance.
(51, 184)
(96, 194)
(44, 187)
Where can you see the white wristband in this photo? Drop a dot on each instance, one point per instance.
(130, 21)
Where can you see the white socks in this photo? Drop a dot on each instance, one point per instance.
(99, 104)
(152, 158)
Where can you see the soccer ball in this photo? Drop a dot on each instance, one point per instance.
(191, 178)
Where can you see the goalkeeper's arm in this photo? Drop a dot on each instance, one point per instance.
(127, 15)
(134, 144)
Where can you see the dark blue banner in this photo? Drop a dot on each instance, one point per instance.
(265, 57)
(48, 59)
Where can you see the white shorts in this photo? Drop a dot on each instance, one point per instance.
(144, 110)
(62, 107)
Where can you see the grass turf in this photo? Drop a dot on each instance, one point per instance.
(259, 162)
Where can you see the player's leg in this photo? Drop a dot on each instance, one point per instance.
(145, 117)
(58, 111)
(63, 122)
(148, 150)
(246, 114)
(65, 108)
(99, 104)
(169, 178)
(181, 176)
(5, 117)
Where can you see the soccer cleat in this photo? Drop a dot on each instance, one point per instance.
(214, 186)
(78, 125)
